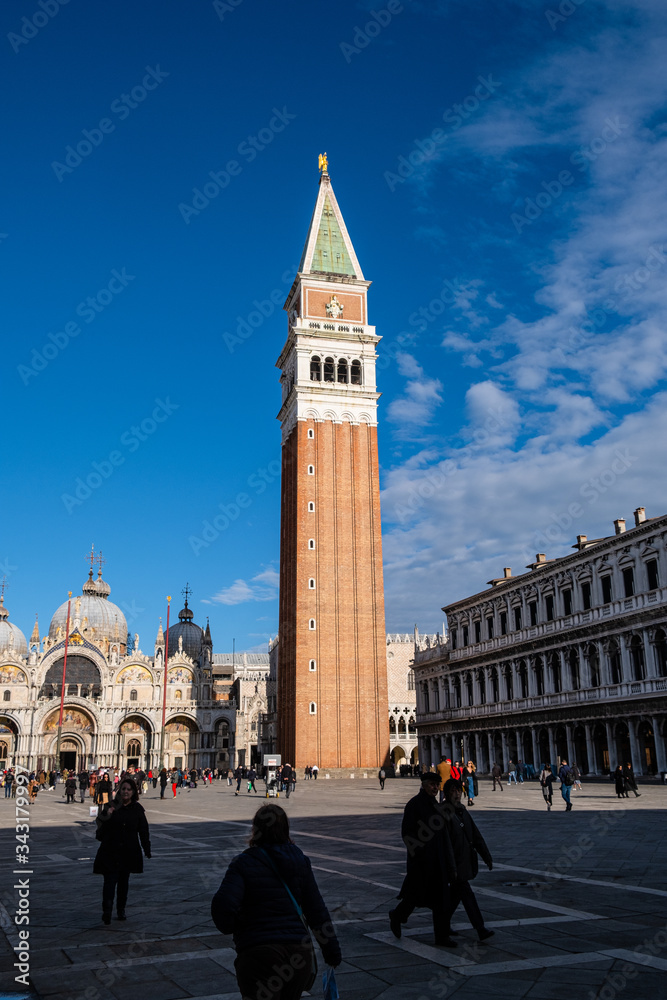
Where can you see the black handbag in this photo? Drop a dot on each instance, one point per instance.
(302, 918)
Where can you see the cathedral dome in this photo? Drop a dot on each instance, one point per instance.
(11, 636)
(192, 635)
(97, 615)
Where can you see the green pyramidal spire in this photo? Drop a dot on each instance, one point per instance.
(330, 253)
(328, 248)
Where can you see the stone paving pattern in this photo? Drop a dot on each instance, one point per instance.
(555, 937)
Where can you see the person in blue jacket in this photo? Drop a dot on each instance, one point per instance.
(265, 897)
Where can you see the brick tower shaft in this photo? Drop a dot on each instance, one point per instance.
(332, 672)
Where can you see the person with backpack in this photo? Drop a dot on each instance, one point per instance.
(381, 777)
(566, 777)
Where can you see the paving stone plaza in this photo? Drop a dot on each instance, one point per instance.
(578, 901)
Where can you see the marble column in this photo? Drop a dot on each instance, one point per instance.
(553, 753)
(611, 747)
(519, 746)
(505, 760)
(660, 757)
(466, 748)
(590, 750)
(491, 751)
(536, 748)
(637, 762)
(479, 758)
(571, 755)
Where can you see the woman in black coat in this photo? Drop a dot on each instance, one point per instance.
(266, 899)
(120, 828)
(619, 783)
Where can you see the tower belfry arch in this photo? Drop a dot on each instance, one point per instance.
(332, 674)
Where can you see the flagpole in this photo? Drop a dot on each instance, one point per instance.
(164, 693)
(62, 688)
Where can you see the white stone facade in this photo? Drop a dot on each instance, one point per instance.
(567, 661)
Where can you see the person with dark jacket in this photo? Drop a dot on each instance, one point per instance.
(70, 789)
(164, 777)
(496, 774)
(263, 897)
(286, 778)
(466, 842)
(619, 783)
(84, 781)
(430, 861)
(238, 774)
(566, 781)
(103, 790)
(629, 780)
(547, 785)
(121, 827)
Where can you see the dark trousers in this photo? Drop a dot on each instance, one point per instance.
(499, 782)
(461, 892)
(439, 909)
(274, 971)
(120, 879)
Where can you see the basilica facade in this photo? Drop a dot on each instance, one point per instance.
(113, 704)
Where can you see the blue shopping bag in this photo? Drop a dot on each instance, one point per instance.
(329, 987)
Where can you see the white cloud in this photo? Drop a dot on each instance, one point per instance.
(421, 397)
(262, 587)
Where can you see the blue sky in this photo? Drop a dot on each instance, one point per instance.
(501, 169)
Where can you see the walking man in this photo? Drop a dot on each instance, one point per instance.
(566, 781)
(511, 777)
(381, 776)
(444, 770)
(238, 774)
(84, 781)
(286, 778)
(496, 774)
(430, 862)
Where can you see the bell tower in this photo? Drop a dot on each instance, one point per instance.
(332, 667)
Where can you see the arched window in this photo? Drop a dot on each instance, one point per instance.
(311, 507)
(133, 695)
(555, 673)
(329, 370)
(315, 369)
(660, 642)
(72, 689)
(7, 696)
(593, 665)
(3, 751)
(402, 729)
(412, 725)
(311, 584)
(313, 708)
(134, 748)
(311, 433)
(494, 685)
(573, 662)
(311, 543)
(178, 695)
(311, 470)
(539, 675)
(637, 658)
(614, 657)
(312, 665)
(342, 370)
(425, 697)
(469, 689)
(311, 625)
(482, 687)
(392, 726)
(523, 678)
(355, 373)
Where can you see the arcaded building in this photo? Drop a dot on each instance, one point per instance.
(568, 660)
